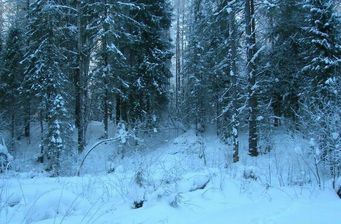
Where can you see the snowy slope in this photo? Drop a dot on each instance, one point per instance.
(183, 180)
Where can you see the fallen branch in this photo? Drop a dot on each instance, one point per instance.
(92, 148)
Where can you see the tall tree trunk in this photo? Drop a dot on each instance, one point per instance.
(78, 111)
(12, 129)
(106, 75)
(251, 70)
(183, 38)
(27, 119)
(2, 22)
(118, 109)
(178, 60)
(200, 126)
(233, 36)
(41, 123)
(80, 80)
(106, 114)
(277, 110)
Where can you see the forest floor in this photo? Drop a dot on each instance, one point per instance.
(185, 179)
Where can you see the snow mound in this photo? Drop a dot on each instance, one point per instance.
(56, 203)
(5, 157)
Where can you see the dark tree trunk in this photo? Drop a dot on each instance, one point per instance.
(121, 110)
(276, 105)
(82, 70)
(118, 109)
(12, 130)
(251, 71)
(106, 114)
(41, 122)
(106, 83)
(200, 111)
(233, 36)
(178, 60)
(79, 113)
(27, 121)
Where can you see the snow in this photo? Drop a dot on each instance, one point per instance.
(176, 185)
(233, 203)
(55, 203)
(335, 135)
(4, 150)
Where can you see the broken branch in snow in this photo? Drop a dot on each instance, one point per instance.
(92, 148)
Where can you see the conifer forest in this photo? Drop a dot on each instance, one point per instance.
(170, 111)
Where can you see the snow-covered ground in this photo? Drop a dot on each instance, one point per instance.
(188, 179)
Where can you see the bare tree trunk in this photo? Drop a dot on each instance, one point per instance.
(12, 130)
(27, 120)
(106, 114)
(2, 22)
(80, 80)
(251, 70)
(183, 36)
(106, 63)
(178, 60)
(233, 35)
(41, 121)
(276, 106)
(200, 113)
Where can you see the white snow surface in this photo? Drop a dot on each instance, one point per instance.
(188, 179)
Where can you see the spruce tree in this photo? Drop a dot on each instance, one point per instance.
(57, 137)
(322, 60)
(47, 77)
(322, 41)
(150, 59)
(282, 60)
(11, 78)
(110, 73)
(194, 69)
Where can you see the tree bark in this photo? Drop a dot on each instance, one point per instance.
(106, 64)
(13, 130)
(27, 120)
(81, 79)
(251, 70)
(178, 60)
(106, 114)
(234, 82)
